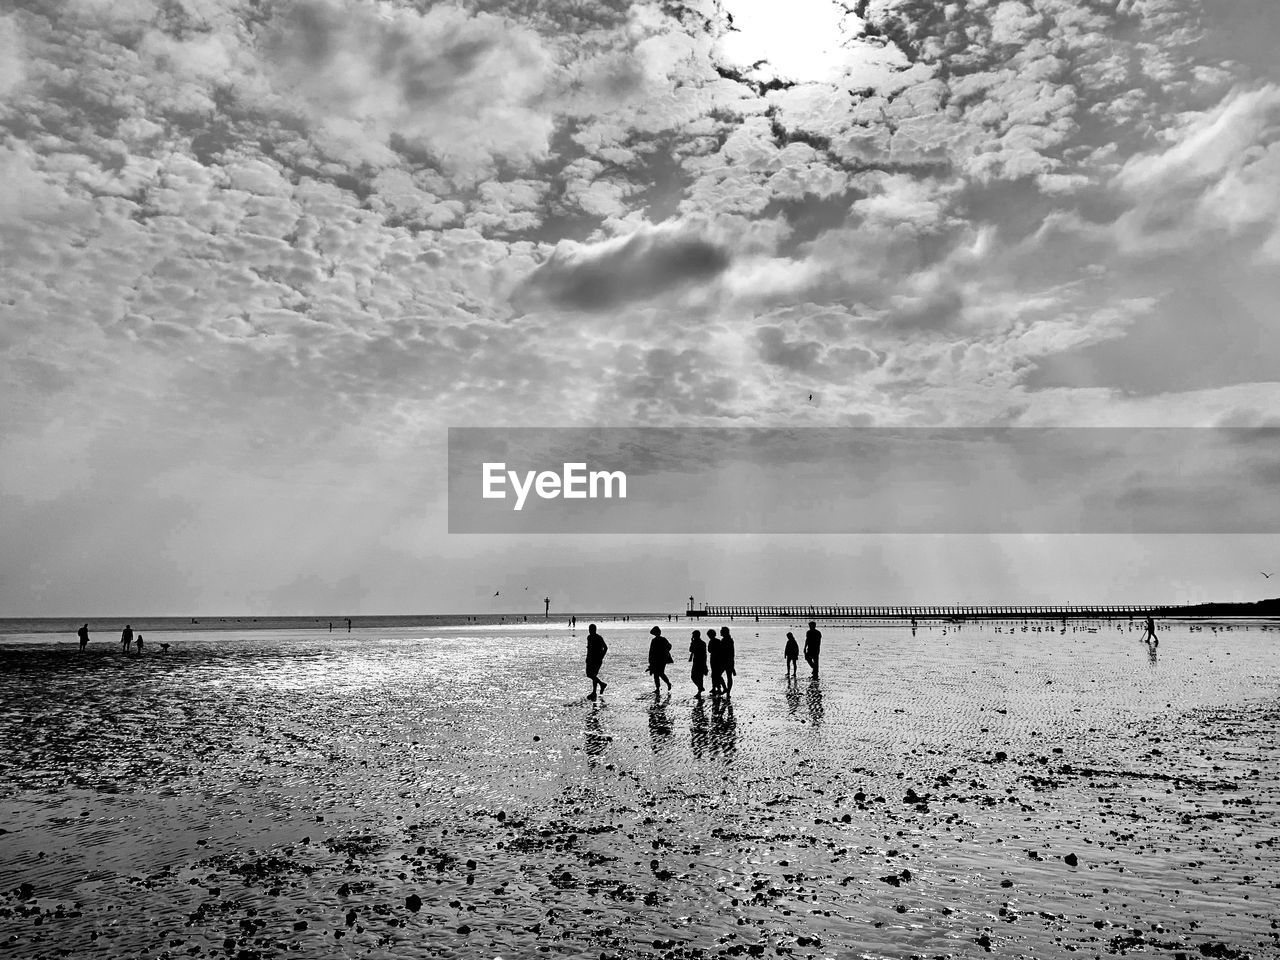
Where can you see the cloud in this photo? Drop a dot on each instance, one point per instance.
(650, 262)
(1218, 175)
(465, 88)
(281, 245)
(776, 349)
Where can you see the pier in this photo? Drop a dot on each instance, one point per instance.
(953, 612)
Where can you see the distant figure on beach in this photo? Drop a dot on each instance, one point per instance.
(83, 634)
(812, 646)
(573, 621)
(126, 638)
(164, 648)
(698, 657)
(348, 624)
(331, 626)
(138, 644)
(596, 649)
(1151, 633)
(659, 657)
(726, 657)
(715, 661)
(791, 653)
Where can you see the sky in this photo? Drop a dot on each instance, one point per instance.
(257, 257)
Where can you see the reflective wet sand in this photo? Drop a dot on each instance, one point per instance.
(948, 794)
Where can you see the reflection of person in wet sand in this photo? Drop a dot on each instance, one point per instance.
(726, 655)
(698, 657)
(596, 649)
(594, 738)
(660, 730)
(813, 697)
(83, 634)
(793, 695)
(812, 646)
(723, 738)
(659, 657)
(791, 653)
(698, 728)
(1151, 633)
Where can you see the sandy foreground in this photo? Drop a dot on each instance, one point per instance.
(956, 793)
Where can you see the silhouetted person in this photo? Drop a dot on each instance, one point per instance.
(812, 646)
(726, 656)
(83, 634)
(596, 649)
(698, 657)
(331, 626)
(138, 644)
(1151, 633)
(348, 624)
(791, 653)
(715, 660)
(659, 657)
(126, 638)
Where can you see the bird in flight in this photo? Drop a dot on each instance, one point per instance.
(1267, 575)
(496, 592)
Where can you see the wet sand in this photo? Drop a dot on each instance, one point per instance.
(957, 794)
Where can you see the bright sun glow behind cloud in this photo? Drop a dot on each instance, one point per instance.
(800, 39)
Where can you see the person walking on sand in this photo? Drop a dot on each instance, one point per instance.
(83, 634)
(659, 657)
(698, 657)
(812, 646)
(715, 661)
(1151, 637)
(791, 653)
(596, 649)
(137, 644)
(726, 656)
(126, 638)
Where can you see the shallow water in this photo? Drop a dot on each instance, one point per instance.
(263, 792)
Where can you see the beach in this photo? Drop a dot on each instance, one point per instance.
(451, 792)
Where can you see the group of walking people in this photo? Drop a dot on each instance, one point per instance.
(713, 656)
(127, 639)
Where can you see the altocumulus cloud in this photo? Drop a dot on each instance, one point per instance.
(643, 265)
(466, 89)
